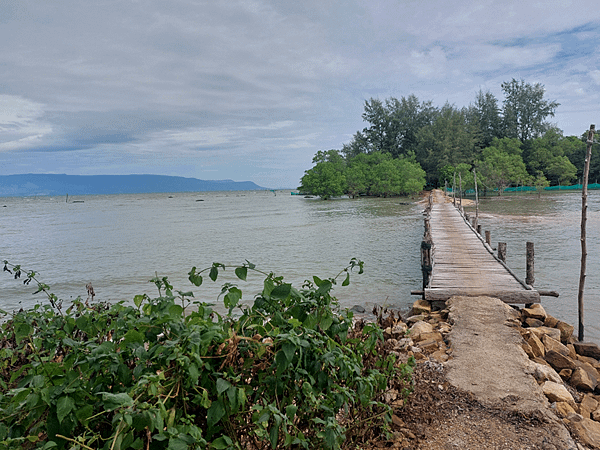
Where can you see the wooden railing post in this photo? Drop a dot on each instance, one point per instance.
(502, 251)
(488, 238)
(530, 278)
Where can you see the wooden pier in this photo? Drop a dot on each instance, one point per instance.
(462, 263)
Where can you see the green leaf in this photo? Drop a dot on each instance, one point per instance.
(326, 322)
(289, 349)
(290, 411)
(232, 297)
(281, 292)
(241, 273)
(177, 444)
(222, 443)
(215, 413)
(133, 336)
(114, 401)
(83, 414)
(214, 273)
(137, 300)
(64, 406)
(222, 385)
(346, 282)
(274, 435)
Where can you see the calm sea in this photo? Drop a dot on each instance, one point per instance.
(119, 242)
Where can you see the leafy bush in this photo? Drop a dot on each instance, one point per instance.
(289, 371)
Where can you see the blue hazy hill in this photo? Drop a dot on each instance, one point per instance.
(55, 184)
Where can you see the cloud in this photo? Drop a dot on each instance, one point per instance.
(595, 75)
(428, 64)
(20, 123)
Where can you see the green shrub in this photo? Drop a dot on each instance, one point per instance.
(171, 373)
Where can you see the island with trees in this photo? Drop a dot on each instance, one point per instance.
(410, 144)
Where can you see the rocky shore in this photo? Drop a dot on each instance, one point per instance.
(444, 413)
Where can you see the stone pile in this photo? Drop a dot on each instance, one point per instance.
(567, 370)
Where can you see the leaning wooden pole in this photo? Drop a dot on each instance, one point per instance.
(586, 172)
(476, 200)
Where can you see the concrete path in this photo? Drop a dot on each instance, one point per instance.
(488, 361)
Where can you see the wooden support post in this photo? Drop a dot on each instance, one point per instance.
(479, 229)
(460, 192)
(502, 251)
(488, 238)
(582, 274)
(426, 261)
(476, 200)
(454, 189)
(530, 278)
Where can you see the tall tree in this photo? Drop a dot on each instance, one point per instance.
(485, 117)
(502, 165)
(525, 111)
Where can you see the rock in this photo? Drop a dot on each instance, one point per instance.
(358, 309)
(540, 360)
(540, 331)
(440, 356)
(563, 409)
(544, 373)
(527, 349)
(535, 311)
(531, 322)
(550, 321)
(587, 406)
(559, 361)
(566, 331)
(553, 344)
(582, 381)
(586, 359)
(591, 371)
(428, 345)
(587, 430)
(572, 353)
(399, 329)
(418, 318)
(420, 307)
(587, 349)
(435, 335)
(565, 374)
(444, 327)
(536, 345)
(556, 392)
(596, 415)
(418, 328)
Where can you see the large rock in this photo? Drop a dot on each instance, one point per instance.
(544, 373)
(566, 331)
(559, 361)
(536, 345)
(553, 344)
(580, 380)
(554, 333)
(556, 392)
(563, 409)
(550, 321)
(587, 430)
(591, 371)
(587, 349)
(532, 323)
(587, 406)
(419, 328)
(535, 311)
(420, 307)
(435, 335)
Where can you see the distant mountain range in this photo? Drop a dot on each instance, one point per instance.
(54, 184)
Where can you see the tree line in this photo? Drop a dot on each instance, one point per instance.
(409, 144)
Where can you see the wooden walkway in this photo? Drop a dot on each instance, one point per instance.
(464, 265)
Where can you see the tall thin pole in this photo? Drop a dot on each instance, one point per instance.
(586, 172)
(454, 189)
(476, 199)
(460, 191)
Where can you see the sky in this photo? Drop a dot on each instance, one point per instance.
(250, 90)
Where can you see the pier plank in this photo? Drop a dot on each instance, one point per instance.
(464, 265)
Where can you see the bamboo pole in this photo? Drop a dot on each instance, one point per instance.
(586, 173)
(476, 200)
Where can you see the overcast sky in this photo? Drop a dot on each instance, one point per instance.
(252, 89)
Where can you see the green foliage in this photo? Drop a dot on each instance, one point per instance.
(525, 110)
(170, 373)
(502, 165)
